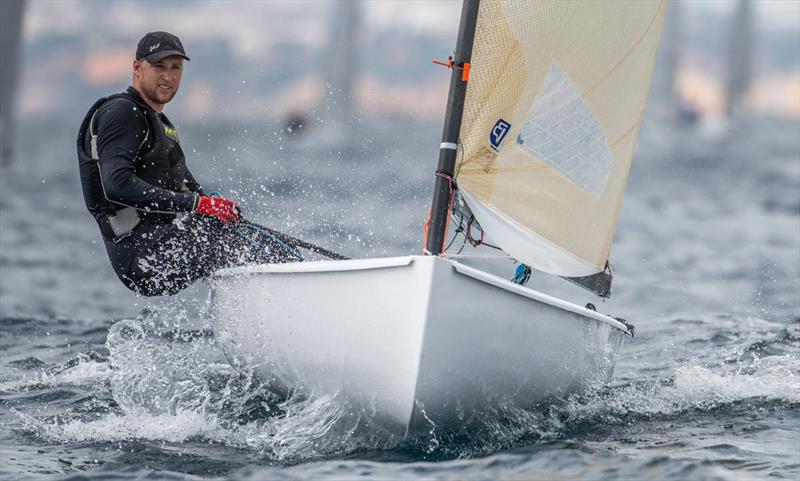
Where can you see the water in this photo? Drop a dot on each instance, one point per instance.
(98, 384)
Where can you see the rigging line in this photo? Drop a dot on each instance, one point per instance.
(261, 231)
(455, 236)
(452, 190)
(460, 228)
(487, 256)
(261, 249)
(463, 244)
(452, 240)
(290, 243)
(299, 243)
(452, 196)
(458, 167)
(474, 242)
(491, 246)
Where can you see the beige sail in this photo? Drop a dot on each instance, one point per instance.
(554, 102)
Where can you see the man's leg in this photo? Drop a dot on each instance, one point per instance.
(188, 250)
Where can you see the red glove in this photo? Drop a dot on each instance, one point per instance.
(223, 209)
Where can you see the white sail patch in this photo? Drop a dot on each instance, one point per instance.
(562, 131)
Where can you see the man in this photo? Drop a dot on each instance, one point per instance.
(161, 231)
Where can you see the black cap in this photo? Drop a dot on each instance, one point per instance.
(156, 46)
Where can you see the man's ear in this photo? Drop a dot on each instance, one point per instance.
(137, 68)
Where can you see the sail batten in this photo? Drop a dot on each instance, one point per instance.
(552, 111)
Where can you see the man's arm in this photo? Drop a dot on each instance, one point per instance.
(121, 128)
(192, 184)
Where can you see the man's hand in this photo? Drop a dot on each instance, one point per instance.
(223, 209)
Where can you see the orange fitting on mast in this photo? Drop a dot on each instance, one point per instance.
(449, 63)
(464, 70)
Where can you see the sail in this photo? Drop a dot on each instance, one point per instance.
(740, 58)
(555, 98)
(337, 109)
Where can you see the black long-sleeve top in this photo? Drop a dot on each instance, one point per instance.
(121, 129)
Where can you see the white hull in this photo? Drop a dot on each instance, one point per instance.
(411, 340)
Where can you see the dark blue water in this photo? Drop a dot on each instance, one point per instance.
(98, 384)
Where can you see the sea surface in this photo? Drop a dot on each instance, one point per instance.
(98, 384)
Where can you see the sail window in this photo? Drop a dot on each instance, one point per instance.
(562, 131)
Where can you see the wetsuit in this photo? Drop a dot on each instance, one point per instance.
(138, 188)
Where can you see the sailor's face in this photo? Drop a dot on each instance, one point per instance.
(158, 82)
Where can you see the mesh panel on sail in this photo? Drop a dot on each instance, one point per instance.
(554, 102)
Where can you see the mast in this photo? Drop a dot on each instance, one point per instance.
(443, 188)
(11, 17)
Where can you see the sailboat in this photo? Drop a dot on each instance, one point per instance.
(668, 103)
(740, 60)
(543, 112)
(330, 126)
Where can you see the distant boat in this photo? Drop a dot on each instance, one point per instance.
(330, 125)
(11, 18)
(718, 131)
(666, 98)
(544, 108)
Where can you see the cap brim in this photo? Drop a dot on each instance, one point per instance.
(159, 56)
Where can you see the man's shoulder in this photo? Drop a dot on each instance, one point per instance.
(120, 104)
(119, 108)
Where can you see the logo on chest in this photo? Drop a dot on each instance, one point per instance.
(171, 133)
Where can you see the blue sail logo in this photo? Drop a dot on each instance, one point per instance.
(498, 134)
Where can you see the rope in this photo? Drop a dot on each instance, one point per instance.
(449, 206)
(299, 243)
(479, 256)
(459, 229)
(286, 242)
(263, 232)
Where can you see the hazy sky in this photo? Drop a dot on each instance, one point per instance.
(425, 15)
(252, 28)
(783, 14)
